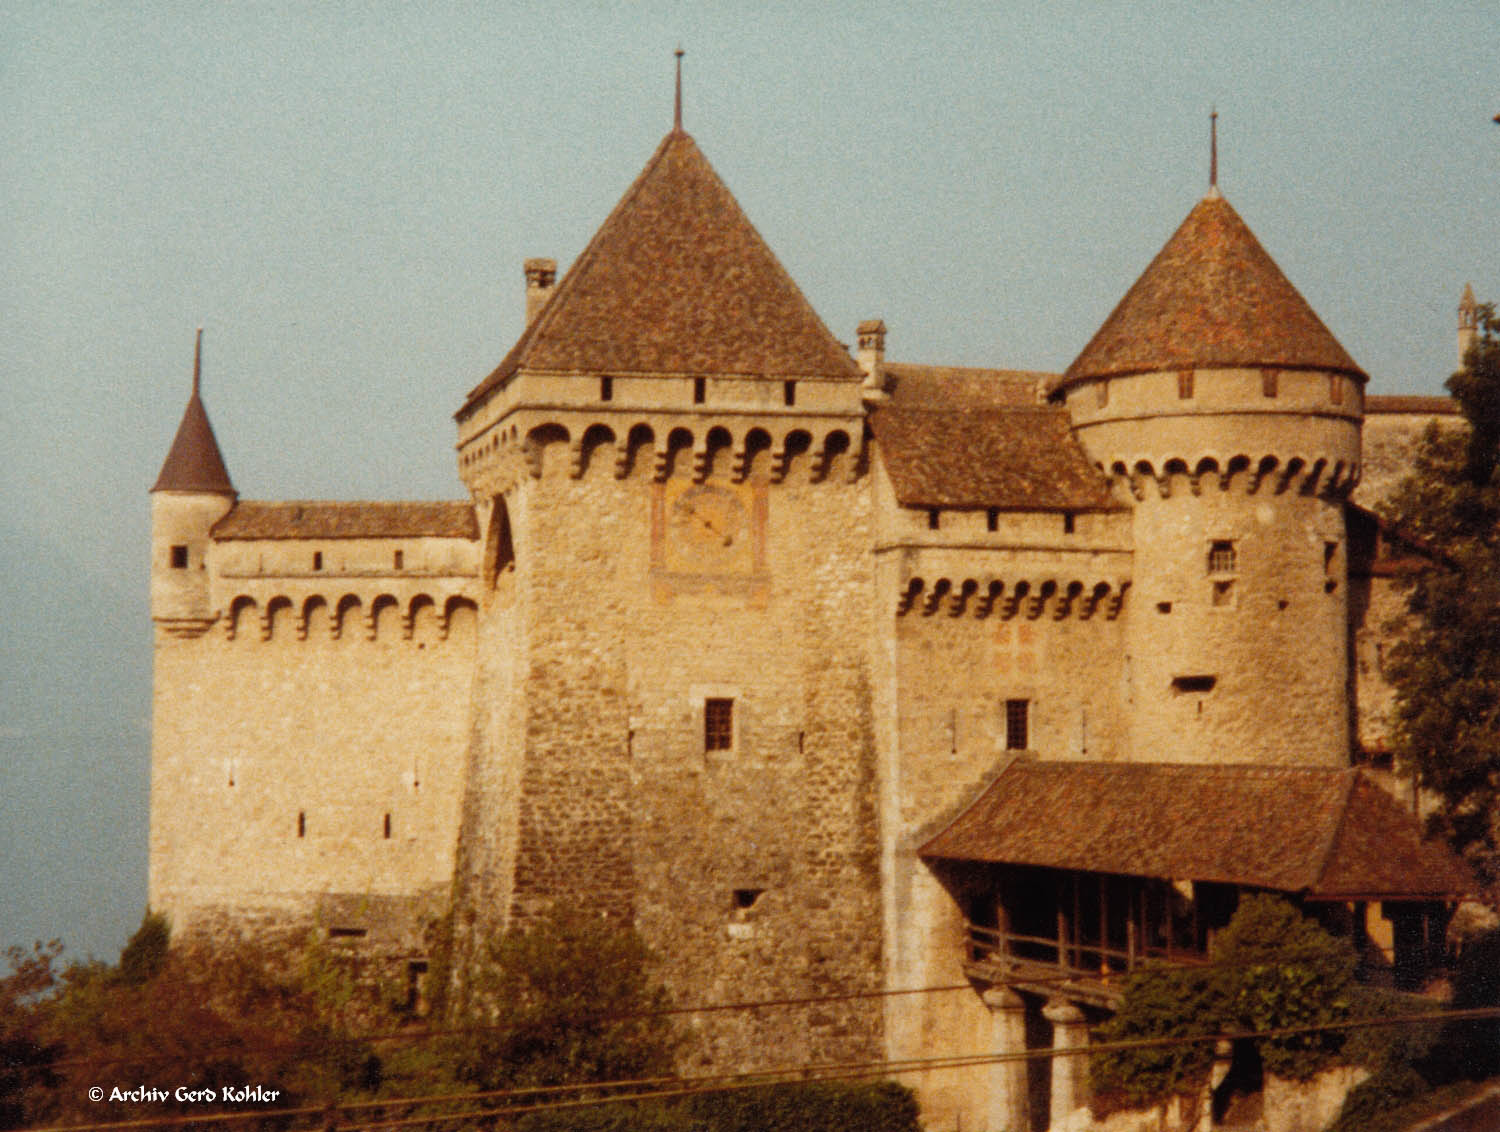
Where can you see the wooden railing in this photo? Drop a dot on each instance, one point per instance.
(1069, 957)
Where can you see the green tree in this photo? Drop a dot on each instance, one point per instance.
(1271, 968)
(1446, 670)
(26, 1056)
(568, 999)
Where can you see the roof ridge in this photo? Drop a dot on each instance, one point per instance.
(1325, 857)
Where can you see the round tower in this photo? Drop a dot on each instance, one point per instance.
(192, 493)
(1223, 407)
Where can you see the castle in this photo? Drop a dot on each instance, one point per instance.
(837, 676)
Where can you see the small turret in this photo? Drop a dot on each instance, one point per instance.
(192, 493)
(1468, 322)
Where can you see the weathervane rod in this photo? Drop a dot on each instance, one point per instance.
(198, 362)
(677, 105)
(1213, 148)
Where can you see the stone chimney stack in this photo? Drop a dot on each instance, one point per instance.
(871, 358)
(1468, 322)
(541, 281)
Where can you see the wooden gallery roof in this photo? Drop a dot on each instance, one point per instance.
(1323, 834)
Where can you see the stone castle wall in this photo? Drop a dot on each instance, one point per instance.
(308, 740)
(640, 594)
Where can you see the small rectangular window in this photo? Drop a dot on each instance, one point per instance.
(992, 519)
(347, 933)
(1270, 382)
(317, 560)
(606, 389)
(700, 390)
(1194, 683)
(1101, 395)
(1184, 384)
(399, 559)
(179, 557)
(789, 392)
(301, 823)
(932, 518)
(1221, 557)
(718, 725)
(1016, 712)
(1069, 524)
(1336, 388)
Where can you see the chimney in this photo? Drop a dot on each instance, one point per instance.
(871, 358)
(541, 281)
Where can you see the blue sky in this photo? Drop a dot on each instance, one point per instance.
(342, 195)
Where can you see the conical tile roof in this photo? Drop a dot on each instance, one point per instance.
(1212, 298)
(677, 280)
(194, 462)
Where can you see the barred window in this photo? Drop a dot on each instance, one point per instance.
(718, 725)
(1221, 557)
(1016, 712)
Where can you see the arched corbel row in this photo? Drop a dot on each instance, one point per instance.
(980, 599)
(1307, 476)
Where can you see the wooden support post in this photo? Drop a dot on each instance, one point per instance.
(1103, 924)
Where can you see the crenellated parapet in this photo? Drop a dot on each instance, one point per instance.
(1029, 599)
(1278, 475)
(347, 616)
(663, 447)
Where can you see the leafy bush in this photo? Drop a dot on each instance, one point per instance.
(1271, 968)
(812, 1107)
(565, 1000)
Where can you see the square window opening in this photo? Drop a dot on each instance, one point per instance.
(179, 557)
(1221, 557)
(745, 898)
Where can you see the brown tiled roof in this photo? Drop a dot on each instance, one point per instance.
(1422, 406)
(1212, 298)
(308, 519)
(1015, 459)
(1330, 834)
(193, 462)
(961, 387)
(677, 280)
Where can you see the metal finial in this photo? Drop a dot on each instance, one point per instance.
(198, 362)
(1213, 148)
(677, 106)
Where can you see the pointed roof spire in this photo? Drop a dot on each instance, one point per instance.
(677, 104)
(1213, 150)
(1211, 299)
(677, 281)
(194, 462)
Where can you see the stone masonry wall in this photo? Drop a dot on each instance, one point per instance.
(753, 870)
(291, 761)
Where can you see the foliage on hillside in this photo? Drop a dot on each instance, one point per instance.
(1271, 968)
(1446, 669)
(569, 999)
